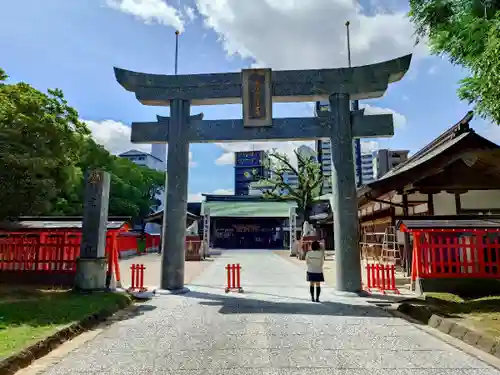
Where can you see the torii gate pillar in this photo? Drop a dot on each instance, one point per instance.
(345, 211)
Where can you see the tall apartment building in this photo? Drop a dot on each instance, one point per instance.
(159, 151)
(367, 168)
(291, 178)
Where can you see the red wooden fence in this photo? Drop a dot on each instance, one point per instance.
(49, 252)
(456, 253)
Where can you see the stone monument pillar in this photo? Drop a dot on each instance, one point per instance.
(345, 214)
(91, 266)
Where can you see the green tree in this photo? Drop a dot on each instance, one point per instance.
(309, 186)
(133, 188)
(45, 150)
(40, 137)
(468, 33)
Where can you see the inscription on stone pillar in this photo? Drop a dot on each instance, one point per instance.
(95, 214)
(257, 97)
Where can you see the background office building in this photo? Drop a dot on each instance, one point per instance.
(384, 160)
(368, 166)
(367, 174)
(290, 177)
(249, 166)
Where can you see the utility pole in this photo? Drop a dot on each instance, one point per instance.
(176, 50)
(355, 107)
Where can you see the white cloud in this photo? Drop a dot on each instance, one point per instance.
(227, 158)
(432, 70)
(292, 34)
(151, 11)
(198, 197)
(491, 131)
(369, 146)
(115, 137)
(190, 13)
(399, 119)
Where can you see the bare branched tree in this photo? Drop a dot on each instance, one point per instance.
(310, 180)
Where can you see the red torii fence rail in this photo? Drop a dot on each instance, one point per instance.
(48, 258)
(455, 252)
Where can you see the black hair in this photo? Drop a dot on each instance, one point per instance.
(315, 246)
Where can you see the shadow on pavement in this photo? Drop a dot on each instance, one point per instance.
(131, 312)
(250, 292)
(235, 305)
(389, 298)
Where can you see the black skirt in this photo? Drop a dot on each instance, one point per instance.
(315, 277)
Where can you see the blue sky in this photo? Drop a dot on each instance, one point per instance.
(73, 45)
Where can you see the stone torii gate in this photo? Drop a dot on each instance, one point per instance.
(256, 89)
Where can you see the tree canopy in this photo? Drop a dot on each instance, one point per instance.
(44, 152)
(310, 180)
(468, 33)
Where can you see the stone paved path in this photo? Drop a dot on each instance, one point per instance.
(152, 262)
(271, 329)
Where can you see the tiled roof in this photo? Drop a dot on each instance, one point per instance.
(411, 170)
(261, 208)
(450, 223)
(61, 223)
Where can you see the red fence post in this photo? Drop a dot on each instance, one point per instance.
(233, 278)
(141, 276)
(132, 277)
(228, 278)
(238, 268)
(233, 274)
(368, 278)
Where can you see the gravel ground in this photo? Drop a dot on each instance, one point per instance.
(272, 328)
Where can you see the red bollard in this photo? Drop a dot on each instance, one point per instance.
(233, 278)
(381, 277)
(137, 278)
(392, 277)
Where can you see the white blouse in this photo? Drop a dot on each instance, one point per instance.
(315, 260)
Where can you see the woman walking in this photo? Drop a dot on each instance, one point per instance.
(314, 260)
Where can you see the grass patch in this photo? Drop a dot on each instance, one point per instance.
(481, 313)
(29, 317)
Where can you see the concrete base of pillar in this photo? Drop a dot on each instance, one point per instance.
(166, 292)
(90, 274)
(294, 249)
(361, 293)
